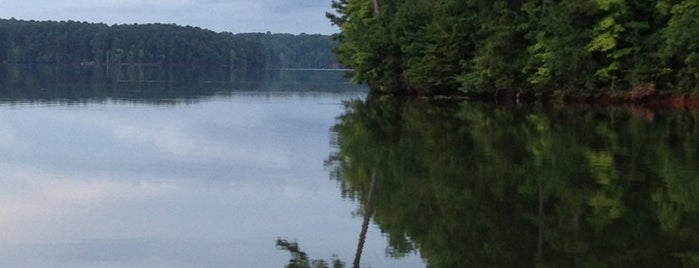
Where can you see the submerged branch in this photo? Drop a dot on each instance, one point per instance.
(365, 224)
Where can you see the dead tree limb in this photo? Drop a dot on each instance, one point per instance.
(369, 206)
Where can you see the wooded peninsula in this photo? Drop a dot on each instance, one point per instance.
(535, 47)
(32, 42)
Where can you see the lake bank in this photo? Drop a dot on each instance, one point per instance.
(646, 96)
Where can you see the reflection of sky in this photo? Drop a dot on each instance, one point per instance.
(210, 184)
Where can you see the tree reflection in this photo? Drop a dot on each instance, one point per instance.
(475, 185)
(152, 84)
(299, 258)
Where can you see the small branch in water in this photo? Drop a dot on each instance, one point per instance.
(365, 224)
(540, 242)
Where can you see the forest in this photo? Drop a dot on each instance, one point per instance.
(295, 51)
(533, 46)
(157, 44)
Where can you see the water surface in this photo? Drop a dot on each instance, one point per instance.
(103, 171)
(168, 167)
(484, 185)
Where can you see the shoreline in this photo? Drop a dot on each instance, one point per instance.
(645, 97)
(650, 99)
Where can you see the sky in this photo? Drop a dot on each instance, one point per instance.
(237, 16)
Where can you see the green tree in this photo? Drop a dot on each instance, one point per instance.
(681, 42)
(542, 46)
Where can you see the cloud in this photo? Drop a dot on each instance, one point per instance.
(121, 4)
(293, 16)
(298, 5)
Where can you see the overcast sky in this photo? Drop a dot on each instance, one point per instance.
(277, 16)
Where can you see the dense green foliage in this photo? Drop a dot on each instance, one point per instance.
(556, 188)
(162, 44)
(295, 51)
(76, 42)
(428, 47)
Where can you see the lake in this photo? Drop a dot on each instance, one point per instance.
(145, 167)
(210, 167)
(524, 185)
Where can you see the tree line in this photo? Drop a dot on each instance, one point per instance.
(450, 46)
(158, 44)
(295, 51)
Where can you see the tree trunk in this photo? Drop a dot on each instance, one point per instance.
(540, 242)
(365, 224)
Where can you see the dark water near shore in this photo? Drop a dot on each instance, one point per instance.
(479, 185)
(209, 167)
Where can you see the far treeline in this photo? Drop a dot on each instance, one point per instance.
(535, 46)
(158, 44)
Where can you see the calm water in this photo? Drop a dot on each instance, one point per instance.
(148, 167)
(476, 185)
(197, 172)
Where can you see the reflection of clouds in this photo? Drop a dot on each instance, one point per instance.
(293, 191)
(7, 138)
(207, 185)
(38, 194)
(54, 219)
(169, 139)
(142, 252)
(184, 144)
